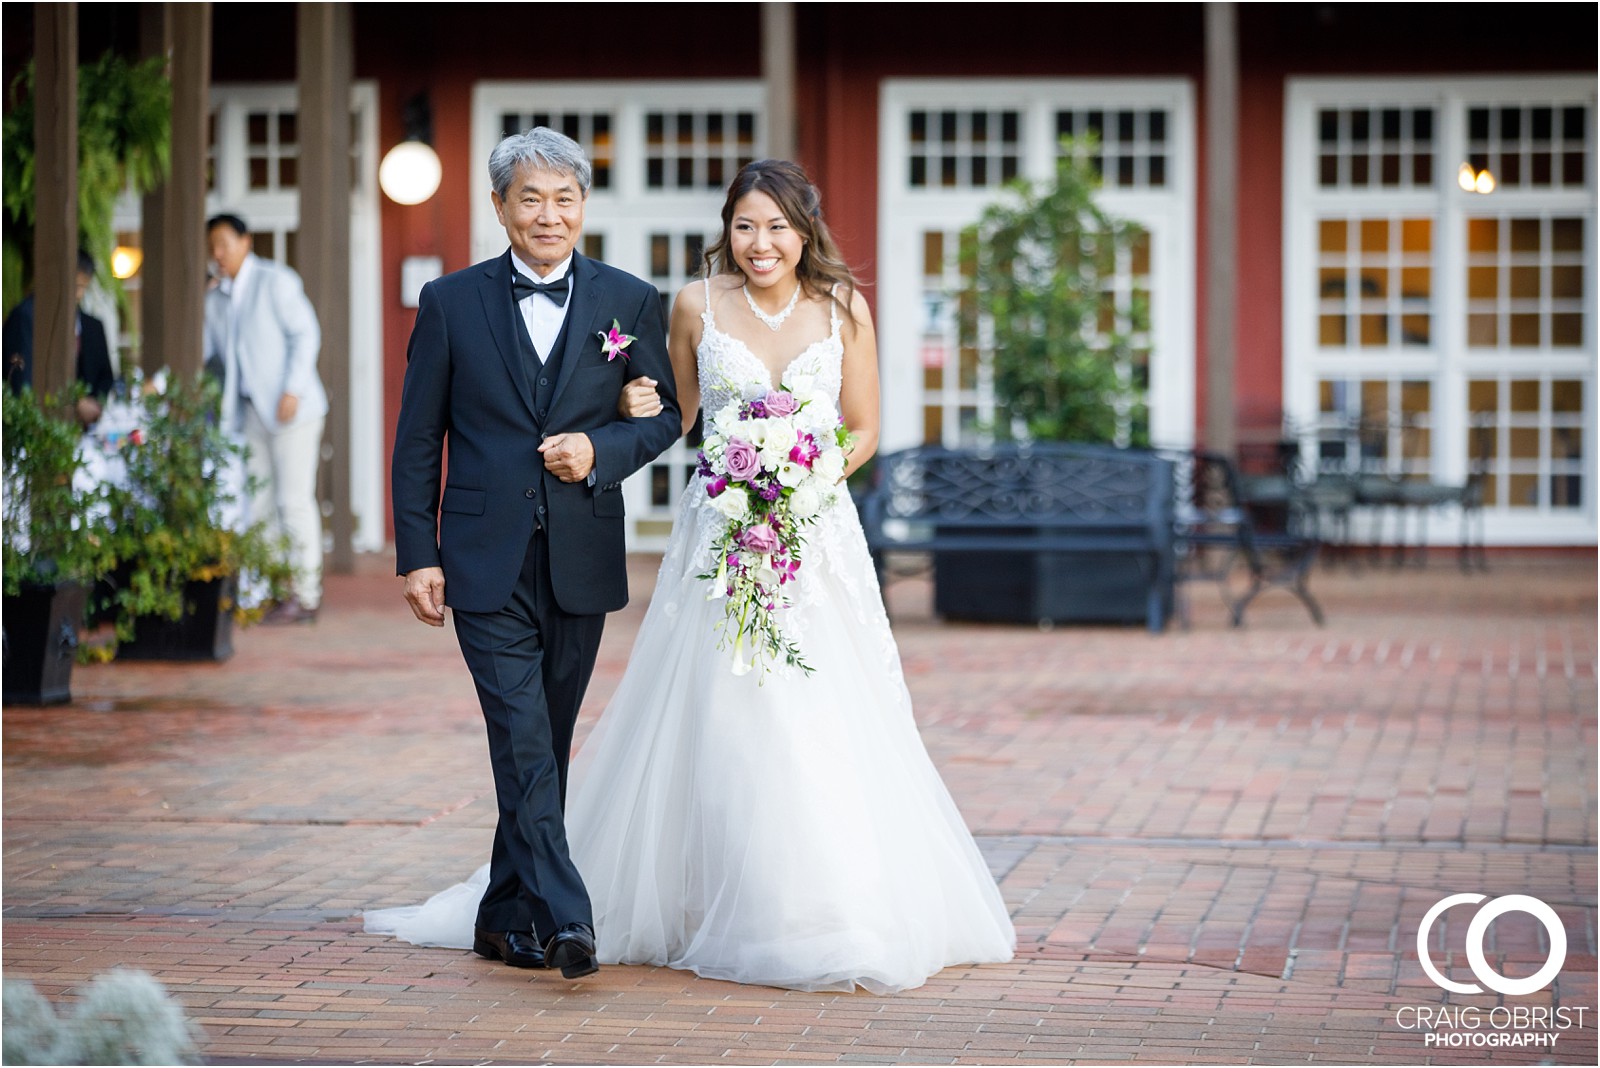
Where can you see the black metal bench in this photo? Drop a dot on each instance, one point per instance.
(1050, 499)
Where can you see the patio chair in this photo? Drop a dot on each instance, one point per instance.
(1219, 540)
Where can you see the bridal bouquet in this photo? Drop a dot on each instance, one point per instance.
(770, 466)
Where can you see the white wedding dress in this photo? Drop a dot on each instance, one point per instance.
(790, 833)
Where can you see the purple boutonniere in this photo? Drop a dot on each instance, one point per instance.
(614, 342)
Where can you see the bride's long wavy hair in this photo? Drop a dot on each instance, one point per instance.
(822, 271)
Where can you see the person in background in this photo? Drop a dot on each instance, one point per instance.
(94, 353)
(261, 329)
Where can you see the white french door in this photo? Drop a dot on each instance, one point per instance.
(947, 147)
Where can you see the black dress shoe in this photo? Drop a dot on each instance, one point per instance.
(572, 950)
(517, 948)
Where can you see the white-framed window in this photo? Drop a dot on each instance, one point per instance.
(1439, 309)
(946, 147)
(252, 170)
(663, 153)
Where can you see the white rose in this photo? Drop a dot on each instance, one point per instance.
(830, 466)
(732, 502)
(821, 413)
(727, 418)
(805, 502)
(780, 436)
(792, 474)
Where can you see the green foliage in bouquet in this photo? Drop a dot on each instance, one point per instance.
(1039, 268)
(168, 525)
(52, 531)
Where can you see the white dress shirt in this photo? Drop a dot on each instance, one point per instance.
(234, 287)
(543, 316)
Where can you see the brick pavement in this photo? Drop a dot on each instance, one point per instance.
(1217, 845)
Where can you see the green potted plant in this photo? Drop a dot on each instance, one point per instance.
(124, 139)
(176, 534)
(55, 544)
(1039, 269)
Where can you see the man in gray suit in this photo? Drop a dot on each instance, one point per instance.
(261, 328)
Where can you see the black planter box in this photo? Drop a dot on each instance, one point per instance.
(205, 632)
(41, 643)
(1012, 587)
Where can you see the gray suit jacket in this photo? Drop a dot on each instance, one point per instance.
(277, 346)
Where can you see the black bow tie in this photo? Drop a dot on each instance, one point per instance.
(523, 286)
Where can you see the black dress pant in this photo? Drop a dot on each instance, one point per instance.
(531, 663)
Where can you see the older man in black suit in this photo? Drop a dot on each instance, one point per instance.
(515, 366)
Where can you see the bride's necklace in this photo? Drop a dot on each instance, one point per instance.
(773, 321)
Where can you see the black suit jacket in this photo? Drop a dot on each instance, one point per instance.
(94, 353)
(466, 389)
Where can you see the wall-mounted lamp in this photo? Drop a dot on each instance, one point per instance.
(410, 172)
(1473, 180)
(126, 261)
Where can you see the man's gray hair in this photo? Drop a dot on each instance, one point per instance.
(543, 149)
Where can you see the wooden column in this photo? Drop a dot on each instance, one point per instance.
(1222, 225)
(175, 233)
(326, 56)
(155, 42)
(777, 71)
(55, 235)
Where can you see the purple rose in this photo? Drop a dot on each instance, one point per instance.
(781, 404)
(741, 459)
(760, 538)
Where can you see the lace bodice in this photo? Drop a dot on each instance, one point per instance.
(729, 371)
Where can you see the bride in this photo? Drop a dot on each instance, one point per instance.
(789, 832)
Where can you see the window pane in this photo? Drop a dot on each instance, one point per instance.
(1524, 235)
(1524, 395)
(1524, 443)
(1566, 395)
(1525, 331)
(1483, 330)
(1483, 283)
(1566, 282)
(1525, 283)
(1483, 395)
(1334, 235)
(1566, 329)
(1483, 235)
(1566, 235)
(1416, 282)
(1416, 235)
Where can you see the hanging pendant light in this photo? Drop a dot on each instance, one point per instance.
(411, 171)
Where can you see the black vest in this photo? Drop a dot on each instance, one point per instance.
(542, 376)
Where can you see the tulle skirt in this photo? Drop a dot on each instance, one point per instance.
(787, 831)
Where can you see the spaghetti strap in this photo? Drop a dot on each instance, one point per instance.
(833, 309)
(706, 315)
